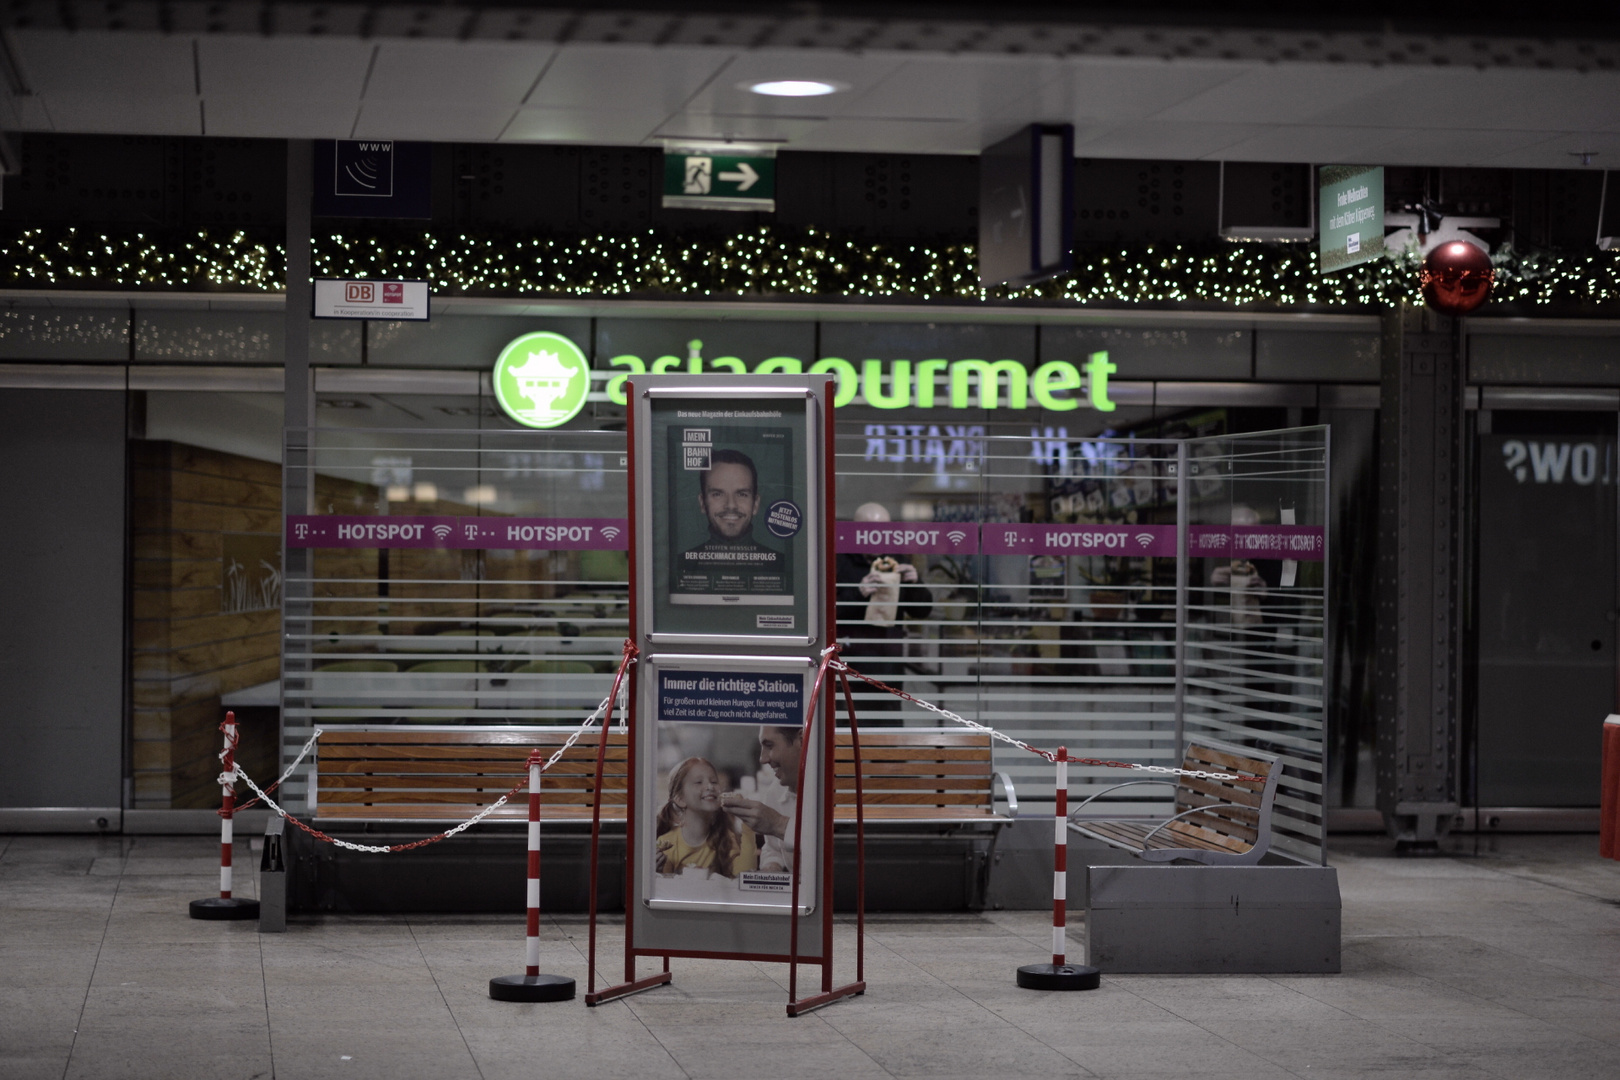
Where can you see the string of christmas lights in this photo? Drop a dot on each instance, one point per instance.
(771, 261)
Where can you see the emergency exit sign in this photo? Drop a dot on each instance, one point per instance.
(724, 177)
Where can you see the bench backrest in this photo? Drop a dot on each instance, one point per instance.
(947, 769)
(426, 773)
(1238, 814)
(411, 772)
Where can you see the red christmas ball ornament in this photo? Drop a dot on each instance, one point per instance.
(1456, 278)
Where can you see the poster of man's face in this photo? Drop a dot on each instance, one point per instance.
(731, 547)
(729, 495)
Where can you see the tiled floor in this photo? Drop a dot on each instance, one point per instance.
(1497, 962)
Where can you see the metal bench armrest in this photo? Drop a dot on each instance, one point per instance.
(1116, 787)
(1194, 810)
(1012, 796)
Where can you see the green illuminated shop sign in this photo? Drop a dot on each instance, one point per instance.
(541, 380)
(1056, 385)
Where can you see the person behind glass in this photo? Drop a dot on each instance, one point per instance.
(876, 594)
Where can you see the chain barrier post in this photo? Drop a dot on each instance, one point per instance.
(531, 985)
(226, 906)
(1059, 975)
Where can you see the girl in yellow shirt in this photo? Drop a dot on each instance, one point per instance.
(694, 830)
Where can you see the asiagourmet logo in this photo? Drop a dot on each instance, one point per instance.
(541, 380)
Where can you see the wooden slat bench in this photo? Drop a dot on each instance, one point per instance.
(1215, 822)
(919, 776)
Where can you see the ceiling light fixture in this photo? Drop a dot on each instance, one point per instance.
(794, 87)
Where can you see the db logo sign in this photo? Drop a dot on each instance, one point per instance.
(363, 292)
(393, 292)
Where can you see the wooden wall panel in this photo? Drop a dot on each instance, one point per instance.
(186, 650)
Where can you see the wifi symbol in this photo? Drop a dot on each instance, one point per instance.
(1145, 539)
(611, 532)
(956, 536)
(441, 531)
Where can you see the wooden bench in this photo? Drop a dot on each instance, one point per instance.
(1215, 822)
(919, 776)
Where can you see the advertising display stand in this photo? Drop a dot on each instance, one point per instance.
(731, 705)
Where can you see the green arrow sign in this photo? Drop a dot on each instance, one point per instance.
(720, 178)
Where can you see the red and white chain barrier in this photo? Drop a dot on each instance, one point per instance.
(227, 808)
(1197, 774)
(235, 772)
(1060, 860)
(226, 905)
(531, 942)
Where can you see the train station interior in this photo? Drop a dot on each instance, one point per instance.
(724, 540)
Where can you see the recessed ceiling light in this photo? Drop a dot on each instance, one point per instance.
(794, 87)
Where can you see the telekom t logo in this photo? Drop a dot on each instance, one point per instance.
(301, 530)
(471, 530)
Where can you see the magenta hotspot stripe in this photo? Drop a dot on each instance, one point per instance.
(919, 537)
(1303, 543)
(1120, 540)
(454, 533)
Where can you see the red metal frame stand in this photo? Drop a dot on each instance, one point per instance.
(799, 1006)
(796, 1006)
(631, 984)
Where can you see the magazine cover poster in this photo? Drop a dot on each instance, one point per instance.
(724, 798)
(731, 542)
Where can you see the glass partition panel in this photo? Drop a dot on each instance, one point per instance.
(1030, 584)
(1257, 608)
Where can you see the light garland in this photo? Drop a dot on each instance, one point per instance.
(772, 261)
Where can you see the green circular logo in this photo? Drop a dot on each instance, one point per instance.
(541, 380)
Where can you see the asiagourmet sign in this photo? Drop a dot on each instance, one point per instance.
(542, 379)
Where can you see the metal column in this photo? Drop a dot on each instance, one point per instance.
(1419, 557)
(297, 478)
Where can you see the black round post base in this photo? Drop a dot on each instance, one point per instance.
(1059, 977)
(531, 988)
(220, 907)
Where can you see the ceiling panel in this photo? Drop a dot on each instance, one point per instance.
(578, 125)
(246, 117)
(413, 120)
(860, 73)
(23, 114)
(636, 78)
(463, 73)
(1093, 90)
(966, 89)
(1495, 99)
(1153, 139)
(1312, 144)
(313, 70)
(125, 114)
(105, 62)
(697, 125)
(872, 135)
(1558, 152)
(1289, 95)
(1454, 147)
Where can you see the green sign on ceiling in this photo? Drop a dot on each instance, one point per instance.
(1350, 215)
(725, 177)
(541, 380)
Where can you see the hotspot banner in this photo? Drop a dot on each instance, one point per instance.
(457, 533)
(1302, 543)
(926, 538)
(1121, 540)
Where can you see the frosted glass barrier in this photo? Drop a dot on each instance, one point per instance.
(1034, 588)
